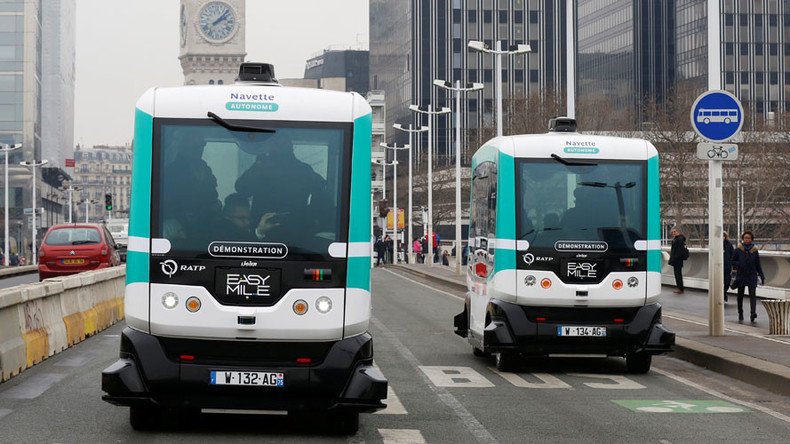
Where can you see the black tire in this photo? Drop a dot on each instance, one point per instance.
(638, 363)
(145, 418)
(506, 362)
(480, 353)
(344, 422)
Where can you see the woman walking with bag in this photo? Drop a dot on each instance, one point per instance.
(746, 261)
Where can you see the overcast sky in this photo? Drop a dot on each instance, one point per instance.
(125, 47)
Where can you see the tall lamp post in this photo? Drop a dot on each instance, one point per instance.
(33, 165)
(6, 149)
(470, 87)
(70, 188)
(498, 53)
(430, 112)
(393, 164)
(411, 131)
(397, 148)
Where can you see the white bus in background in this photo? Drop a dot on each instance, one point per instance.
(717, 116)
(119, 228)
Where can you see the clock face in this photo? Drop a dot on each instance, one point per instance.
(217, 21)
(183, 25)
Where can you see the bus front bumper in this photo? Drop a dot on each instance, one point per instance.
(146, 375)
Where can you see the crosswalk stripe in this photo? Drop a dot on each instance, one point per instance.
(394, 406)
(401, 436)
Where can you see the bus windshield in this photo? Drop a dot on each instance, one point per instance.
(213, 185)
(562, 203)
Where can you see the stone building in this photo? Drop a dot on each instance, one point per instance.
(98, 171)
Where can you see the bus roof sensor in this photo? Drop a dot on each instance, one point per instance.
(562, 125)
(254, 72)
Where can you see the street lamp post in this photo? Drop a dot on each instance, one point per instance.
(411, 131)
(70, 188)
(396, 148)
(6, 149)
(33, 165)
(430, 112)
(470, 87)
(498, 53)
(394, 164)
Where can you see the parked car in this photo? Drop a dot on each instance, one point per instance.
(73, 248)
(119, 228)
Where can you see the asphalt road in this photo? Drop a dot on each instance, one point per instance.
(442, 394)
(12, 281)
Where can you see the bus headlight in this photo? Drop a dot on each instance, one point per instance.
(633, 282)
(323, 304)
(530, 280)
(300, 307)
(170, 300)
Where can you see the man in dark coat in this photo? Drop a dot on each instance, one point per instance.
(746, 261)
(728, 251)
(677, 254)
(381, 249)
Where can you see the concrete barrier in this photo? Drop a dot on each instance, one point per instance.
(41, 319)
(776, 266)
(16, 271)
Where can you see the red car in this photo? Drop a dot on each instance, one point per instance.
(73, 248)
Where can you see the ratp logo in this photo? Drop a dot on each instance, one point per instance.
(169, 267)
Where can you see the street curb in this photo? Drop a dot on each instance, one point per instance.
(15, 271)
(757, 372)
(754, 371)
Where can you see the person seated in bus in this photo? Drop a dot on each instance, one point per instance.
(189, 186)
(236, 223)
(577, 215)
(283, 187)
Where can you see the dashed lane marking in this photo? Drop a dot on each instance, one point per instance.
(394, 406)
(401, 436)
(619, 382)
(547, 381)
(5, 412)
(471, 423)
(712, 392)
(455, 377)
(33, 387)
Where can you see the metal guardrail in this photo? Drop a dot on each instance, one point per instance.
(776, 266)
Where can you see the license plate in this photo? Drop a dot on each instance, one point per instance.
(260, 379)
(581, 331)
(73, 261)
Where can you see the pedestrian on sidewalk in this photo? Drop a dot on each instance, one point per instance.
(388, 248)
(417, 248)
(728, 252)
(380, 251)
(677, 255)
(746, 261)
(445, 258)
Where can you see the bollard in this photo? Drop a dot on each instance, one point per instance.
(778, 316)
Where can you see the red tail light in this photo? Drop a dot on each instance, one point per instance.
(619, 320)
(187, 357)
(304, 361)
(540, 319)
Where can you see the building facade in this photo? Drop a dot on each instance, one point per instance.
(212, 41)
(414, 42)
(98, 171)
(57, 83)
(341, 70)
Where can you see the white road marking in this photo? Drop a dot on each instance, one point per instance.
(33, 387)
(467, 419)
(731, 330)
(455, 377)
(549, 381)
(401, 436)
(424, 285)
(620, 382)
(712, 392)
(394, 406)
(4, 412)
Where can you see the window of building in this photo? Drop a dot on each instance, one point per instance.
(211, 82)
(471, 16)
(758, 49)
(729, 19)
(487, 16)
(759, 78)
(471, 105)
(787, 78)
(773, 49)
(533, 75)
(534, 46)
(729, 77)
(487, 75)
(502, 16)
(518, 76)
(774, 78)
(471, 75)
(457, 16)
(533, 16)
(744, 19)
(504, 75)
(518, 16)
(488, 104)
(773, 20)
(220, 82)
(787, 49)
(728, 48)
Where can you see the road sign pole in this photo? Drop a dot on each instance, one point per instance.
(715, 186)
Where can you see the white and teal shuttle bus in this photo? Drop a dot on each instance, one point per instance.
(248, 269)
(565, 254)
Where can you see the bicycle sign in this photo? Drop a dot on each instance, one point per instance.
(717, 116)
(717, 151)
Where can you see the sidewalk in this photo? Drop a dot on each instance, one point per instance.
(746, 352)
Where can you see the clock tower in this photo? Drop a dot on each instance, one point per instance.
(212, 40)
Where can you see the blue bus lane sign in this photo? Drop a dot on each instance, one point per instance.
(717, 116)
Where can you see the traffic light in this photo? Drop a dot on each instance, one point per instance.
(108, 202)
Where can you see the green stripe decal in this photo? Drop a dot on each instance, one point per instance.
(140, 211)
(359, 217)
(506, 211)
(653, 213)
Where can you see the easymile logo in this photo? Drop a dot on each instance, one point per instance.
(247, 285)
(169, 267)
(582, 270)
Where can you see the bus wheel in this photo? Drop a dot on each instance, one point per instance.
(344, 422)
(144, 418)
(506, 362)
(638, 363)
(479, 353)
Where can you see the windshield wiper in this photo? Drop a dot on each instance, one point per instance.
(572, 162)
(233, 127)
